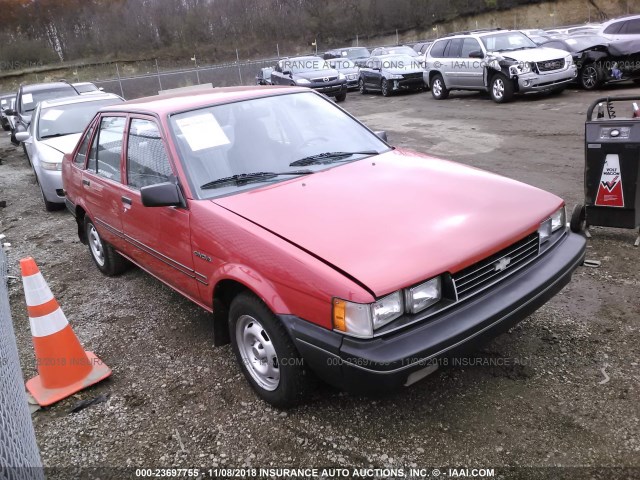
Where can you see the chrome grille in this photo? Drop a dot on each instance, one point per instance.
(481, 275)
(550, 65)
(324, 79)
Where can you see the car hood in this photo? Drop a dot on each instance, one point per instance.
(398, 218)
(316, 74)
(539, 54)
(64, 144)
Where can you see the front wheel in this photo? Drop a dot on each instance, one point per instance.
(266, 354)
(361, 87)
(590, 77)
(104, 256)
(438, 89)
(50, 206)
(578, 219)
(341, 98)
(501, 88)
(384, 88)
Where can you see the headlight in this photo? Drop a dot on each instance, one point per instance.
(342, 77)
(360, 320)
(423, 296)
(51, 165)
(352, 76)
(395, 76)
(568, 60)
(520, 68)
(302, 81)
(555, 222)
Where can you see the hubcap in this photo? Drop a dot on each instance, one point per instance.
(96, 245)
(437, 87)
(498, 88)
(258, 353)
(589, 77)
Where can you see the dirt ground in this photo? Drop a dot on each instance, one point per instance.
(559, 390)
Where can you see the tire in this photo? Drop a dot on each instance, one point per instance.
(341, 98)
(636, 81)
(578, 219)
(6, 128)
(104, 256)
(384, 88)
(500, 88)
(266, 354)
(438, 89)
(361, 87)
(590, 77)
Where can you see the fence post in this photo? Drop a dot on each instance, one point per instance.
(238, 62)
(158, 70)
(119, 80)
(19, 455)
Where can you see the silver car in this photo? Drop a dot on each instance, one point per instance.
(618, 29)
(501, 62)
(55, 128)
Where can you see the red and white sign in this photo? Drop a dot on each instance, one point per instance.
(610, 188)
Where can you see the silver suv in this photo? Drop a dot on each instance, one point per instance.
(502, 62)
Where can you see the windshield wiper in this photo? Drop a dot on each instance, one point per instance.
(328, 157)
(244, 178)
(53, 135)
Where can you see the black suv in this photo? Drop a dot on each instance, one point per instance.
(27, 99)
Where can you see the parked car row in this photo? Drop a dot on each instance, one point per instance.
(47, 119)
(503, 63)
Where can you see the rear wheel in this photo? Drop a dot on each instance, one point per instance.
(266, 354)
(500, 88)
(104, 256)
(384, 88)
(438, 89)
(590, 77)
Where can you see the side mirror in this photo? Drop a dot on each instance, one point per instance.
(9, 112)
(101, 89)
(476, 54)
(286, 72)
(382, 135)
(164, 194)
(22, 136)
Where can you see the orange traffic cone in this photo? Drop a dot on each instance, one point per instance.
(64, 367)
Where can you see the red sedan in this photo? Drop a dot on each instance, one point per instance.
(318, 247)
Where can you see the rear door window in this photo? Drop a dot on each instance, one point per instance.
(106, 152)
(438, 49)
(631, 27)
(453, 49)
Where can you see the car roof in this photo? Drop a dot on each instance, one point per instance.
(619, 19)
(77, 84)
(58, 102)
(34, 87)
(303, 57)
(167, 104)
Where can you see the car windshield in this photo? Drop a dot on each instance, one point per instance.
(341, 63)
(304, 64)
(268, 139)
(504, 42)
(30, 100)
(404, 50)
(356, 53)
(401, 62)
(69, 119)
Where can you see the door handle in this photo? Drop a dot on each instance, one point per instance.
(86, 182)
(126, 200)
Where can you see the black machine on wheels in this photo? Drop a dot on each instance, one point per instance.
(612, 167)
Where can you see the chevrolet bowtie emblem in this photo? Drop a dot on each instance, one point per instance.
(502, 264)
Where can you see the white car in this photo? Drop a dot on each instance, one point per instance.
(55, 128)
(625, 28)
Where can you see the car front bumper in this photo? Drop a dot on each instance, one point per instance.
(51, 183)
(535, 82)
(399, 358)
(331, 89)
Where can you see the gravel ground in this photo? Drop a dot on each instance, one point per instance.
(560, 389)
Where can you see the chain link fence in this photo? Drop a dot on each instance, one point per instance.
(19, 455)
